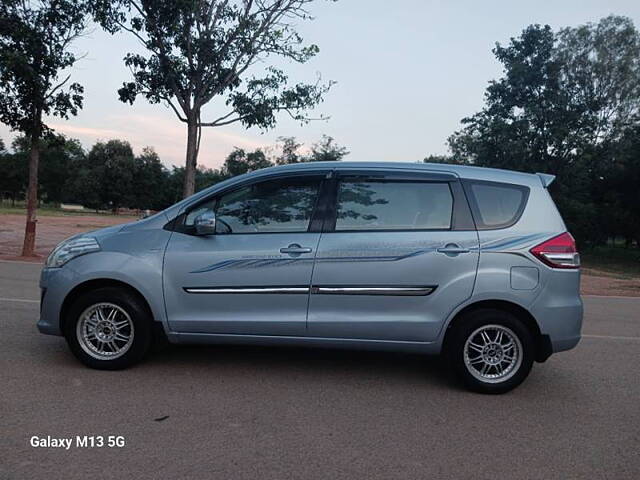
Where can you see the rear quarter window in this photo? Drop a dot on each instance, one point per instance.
(496, 205)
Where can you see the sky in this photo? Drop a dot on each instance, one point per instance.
(406, 73)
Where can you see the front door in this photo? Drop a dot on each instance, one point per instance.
(399, 254)
(253, 275)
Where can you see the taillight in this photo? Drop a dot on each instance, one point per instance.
(558, 252)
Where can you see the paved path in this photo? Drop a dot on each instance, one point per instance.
(257, 413)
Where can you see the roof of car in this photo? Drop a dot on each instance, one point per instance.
(462, 171)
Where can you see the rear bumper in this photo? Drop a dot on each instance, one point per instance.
(560, 345)
(562, 325)
(559, 311)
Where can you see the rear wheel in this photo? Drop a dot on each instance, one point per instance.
(491, 351)
(108, 328)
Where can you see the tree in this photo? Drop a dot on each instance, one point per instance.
(86, 189)
(327, 150)
(59, 159)
(205, 177)
(149, 181)
(201, 50)
(289, 151)
(35, 37)
(107, 178)
(13, 175)
(239, 161)
(563, 102)
(601, 67)
(528, 116)
(616, 192)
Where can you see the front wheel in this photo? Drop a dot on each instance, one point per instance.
(491, 351)
(108, 329)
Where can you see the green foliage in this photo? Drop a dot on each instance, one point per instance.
(110, 176)
(239, 161)
(325, 150)
(200, 50)
(565, 105)
(150, 180)
(289, 151)
(205, 177)
(34, 50)
(13, 176)
(622, 187)
(59, 157)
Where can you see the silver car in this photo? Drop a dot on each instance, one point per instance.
(473, 263)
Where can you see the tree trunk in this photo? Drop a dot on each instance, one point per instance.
(192, 158)
(28, 247)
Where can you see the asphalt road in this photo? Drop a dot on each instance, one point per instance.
(257, 413)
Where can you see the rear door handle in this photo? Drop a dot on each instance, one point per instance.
(452, 249)
(295, 249)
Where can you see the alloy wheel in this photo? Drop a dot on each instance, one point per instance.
(105, 331)
(492, 353)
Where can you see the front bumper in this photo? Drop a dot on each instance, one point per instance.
(54, 286)
(48, 328)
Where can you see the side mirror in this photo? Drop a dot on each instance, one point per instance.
(205, 223)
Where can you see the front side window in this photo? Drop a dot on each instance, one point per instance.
(393, 205)
(273, 206)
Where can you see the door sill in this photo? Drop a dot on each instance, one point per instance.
(267, 340)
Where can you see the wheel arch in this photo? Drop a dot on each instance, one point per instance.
(542, 342)
(93, 284)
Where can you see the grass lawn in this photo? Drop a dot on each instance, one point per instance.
(620, 261)
(56, 212)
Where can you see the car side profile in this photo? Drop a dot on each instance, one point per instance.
(472, 263)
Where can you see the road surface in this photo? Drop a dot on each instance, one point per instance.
(263, 413)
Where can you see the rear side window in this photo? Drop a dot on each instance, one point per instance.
(497, 205)
(388, 205)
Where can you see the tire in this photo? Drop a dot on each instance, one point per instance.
(108, 329)
(506, 356)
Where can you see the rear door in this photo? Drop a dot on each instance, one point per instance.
(398, 252)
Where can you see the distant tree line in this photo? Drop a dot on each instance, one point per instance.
(110, 176)
(568, 104)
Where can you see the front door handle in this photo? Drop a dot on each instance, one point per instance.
(295, 249)
(452, 249)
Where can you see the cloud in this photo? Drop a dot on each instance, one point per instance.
(88, 132)
(166, 135)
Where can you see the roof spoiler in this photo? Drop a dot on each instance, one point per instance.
(546, 179)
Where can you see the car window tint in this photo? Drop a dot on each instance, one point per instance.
(274, 206)
(382, 205)
(498, 205)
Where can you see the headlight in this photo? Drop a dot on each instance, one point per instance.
(71, 248)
